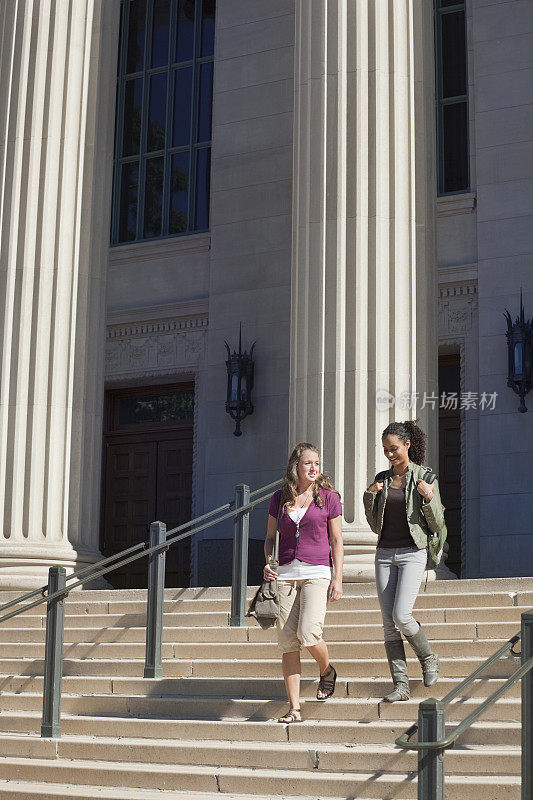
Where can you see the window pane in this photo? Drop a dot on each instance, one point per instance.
(136, 36)
(133, 96)
(179, 193)
(154, 408)
(185, 33)
(160, 33)
(453, 54)
(203, 174)
(153, 197)
(208, 27)
(129, 186)
(181, 134)
(158, 112)
(445, 3)
(205, 102)
(455, 147)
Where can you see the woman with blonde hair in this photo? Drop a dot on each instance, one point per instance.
(310, 526)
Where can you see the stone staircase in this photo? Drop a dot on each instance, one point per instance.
(206, 729)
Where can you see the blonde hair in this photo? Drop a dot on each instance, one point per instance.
(289, 486)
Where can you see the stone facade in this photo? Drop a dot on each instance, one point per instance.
(327, 242)
(485, 255)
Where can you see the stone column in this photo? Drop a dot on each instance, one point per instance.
(57, 90)
(364, 288)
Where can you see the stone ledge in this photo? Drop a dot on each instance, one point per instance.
(450, 205)
(170, 247)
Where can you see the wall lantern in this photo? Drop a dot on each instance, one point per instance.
(520, 355)
(240, 368)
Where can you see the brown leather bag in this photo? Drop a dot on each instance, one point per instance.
(264, 606)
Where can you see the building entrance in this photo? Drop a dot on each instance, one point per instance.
(148, 448)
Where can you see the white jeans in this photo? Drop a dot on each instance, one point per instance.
(399, 573)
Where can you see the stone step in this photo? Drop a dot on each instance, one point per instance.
(118, 642)
(312, 731)
(10, 790)
(246, 781)
(361, 616)
(468, 586)
(221, 618)
(190, 621)
(24, 790)
(345, 635)
(338, 649)
(247, 668)
(211, 720)
(256, 687)
(343, 642)
(346, 758)
(263, 708)
(108, 603)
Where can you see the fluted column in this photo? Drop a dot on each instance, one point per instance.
(57, 78)
(363, 269)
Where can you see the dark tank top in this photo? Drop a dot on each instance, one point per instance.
(395, 531)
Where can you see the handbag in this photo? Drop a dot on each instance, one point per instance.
(264, 606)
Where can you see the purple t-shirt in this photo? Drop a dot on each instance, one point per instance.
(312, 545)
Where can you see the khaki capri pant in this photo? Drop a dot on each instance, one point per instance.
(302, 612)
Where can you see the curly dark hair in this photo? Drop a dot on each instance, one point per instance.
(409, 431)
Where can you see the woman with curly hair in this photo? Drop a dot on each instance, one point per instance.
(310, 522)
(403, 506)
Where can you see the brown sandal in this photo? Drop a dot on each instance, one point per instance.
(326, 683)
(292, 715)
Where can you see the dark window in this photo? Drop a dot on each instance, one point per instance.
(152, 408)
(452, 97)
(163, 129)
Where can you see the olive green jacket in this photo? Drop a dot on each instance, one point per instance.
(424, 519)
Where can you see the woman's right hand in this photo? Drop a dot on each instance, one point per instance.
(268, 574)
(377, 486)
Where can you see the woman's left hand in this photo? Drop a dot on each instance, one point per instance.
(335, 590)
(425, 490)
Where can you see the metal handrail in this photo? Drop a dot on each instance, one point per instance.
(433, 741)
(449, 741)
(265, 488)
(86, 570)
(403, 740)
(106, 565)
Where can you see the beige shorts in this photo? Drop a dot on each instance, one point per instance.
(302, 611)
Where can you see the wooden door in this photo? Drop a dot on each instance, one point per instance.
(450, 457)
(130, 492)
(148, 477)
(173, 501)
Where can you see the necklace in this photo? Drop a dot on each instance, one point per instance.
(400, 474)
(300, 516)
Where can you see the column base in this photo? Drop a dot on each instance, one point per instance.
(359, 552)
(25, 567)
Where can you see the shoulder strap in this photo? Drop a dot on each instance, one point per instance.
(275, 551)
(430, 476)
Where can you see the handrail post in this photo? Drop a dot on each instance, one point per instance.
(431, 728)
(527, 707)
(153, 667)
(240, 558)
(53, 655)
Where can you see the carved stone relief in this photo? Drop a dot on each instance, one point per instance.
(153, 347)
(457, 309)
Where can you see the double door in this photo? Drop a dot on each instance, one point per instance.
(148, 477)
